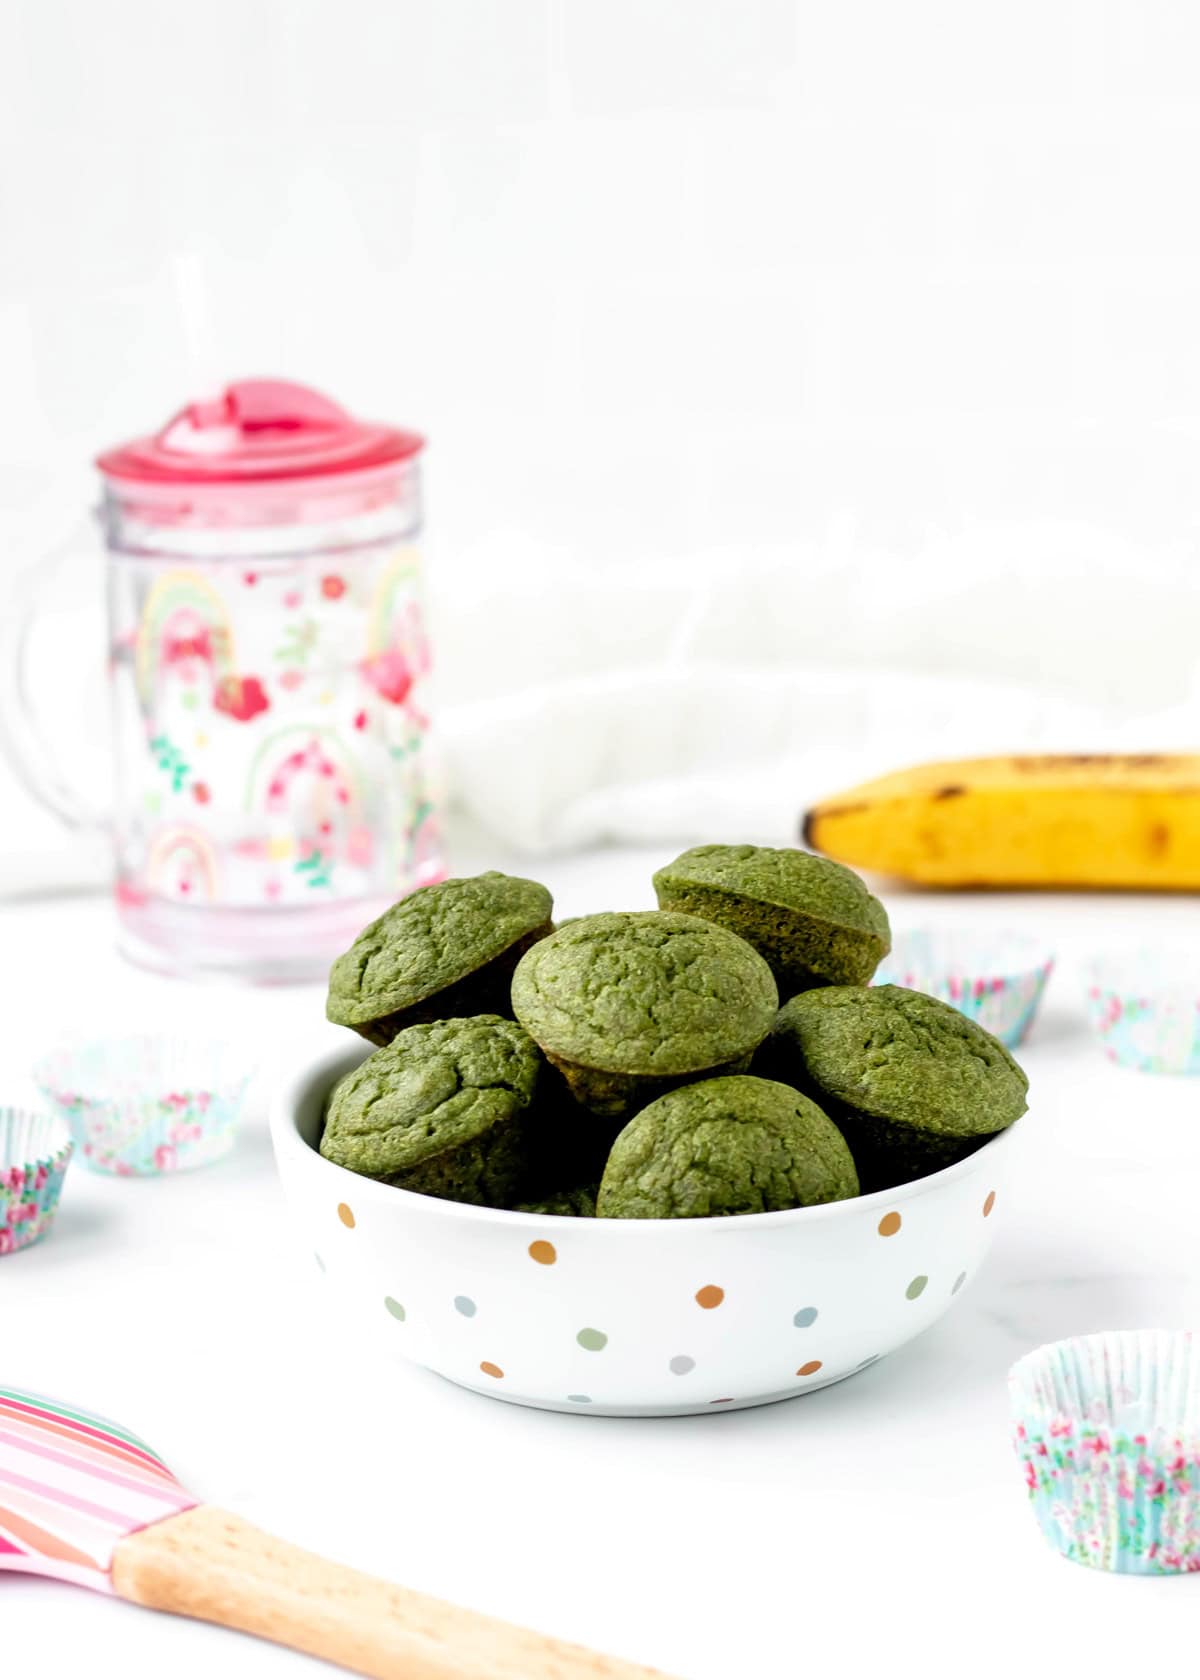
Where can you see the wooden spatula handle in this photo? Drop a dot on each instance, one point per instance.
(209, 1564)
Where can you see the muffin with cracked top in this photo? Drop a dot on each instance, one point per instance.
(440, 1110)
(726, 1146)
(814, 921)
(913, 1084)
(446, 950)
(628, 1004)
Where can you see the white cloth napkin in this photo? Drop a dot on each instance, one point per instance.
(716, 697)
(586, 698)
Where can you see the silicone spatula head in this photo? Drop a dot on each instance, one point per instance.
(72, 1487)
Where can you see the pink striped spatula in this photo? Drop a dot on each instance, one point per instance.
(85, 1501)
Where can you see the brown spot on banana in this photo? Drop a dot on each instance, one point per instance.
(1036, 764)
(818, 813)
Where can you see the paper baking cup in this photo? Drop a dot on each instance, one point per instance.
(35, 1151)
(140, 1106)
(996, 981)
(1145, 1009)
(1107, 1430)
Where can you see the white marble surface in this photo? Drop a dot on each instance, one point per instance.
(867, 1528)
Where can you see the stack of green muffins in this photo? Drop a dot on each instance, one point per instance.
(637, 1064)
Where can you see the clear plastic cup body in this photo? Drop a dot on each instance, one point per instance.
(269, 665)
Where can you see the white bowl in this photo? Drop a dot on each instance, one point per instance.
(633, 1318)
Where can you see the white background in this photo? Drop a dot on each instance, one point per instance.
(811, 387)
(803, 341)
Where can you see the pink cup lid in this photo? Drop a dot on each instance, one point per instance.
(258, 430)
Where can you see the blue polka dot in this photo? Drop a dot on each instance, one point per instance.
(805, 1317)
(465, 1305)
(580, 1399)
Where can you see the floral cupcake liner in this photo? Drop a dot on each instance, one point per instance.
(35, 1152)
(998, 981)
(1145, 1009)
(143, 1106)
(1107, 1431)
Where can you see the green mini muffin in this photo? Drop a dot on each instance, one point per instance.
(630, 1003)
(440, 1110)
(726, 1146)
(912, 1083)
(445, 951)
(812, 919)
(579, 1203)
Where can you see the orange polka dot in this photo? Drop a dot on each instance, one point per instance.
(889, 1224)
(990, 1203)
(543, 1252)
(710, 1296)
(490, 1370)
(346, 1216)
(809, 1369)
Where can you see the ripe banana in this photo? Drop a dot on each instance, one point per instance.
(1088, 820)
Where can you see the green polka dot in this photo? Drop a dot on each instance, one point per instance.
(592, 1340)
(916, 1287)
(394, 1307)
(958, 1282)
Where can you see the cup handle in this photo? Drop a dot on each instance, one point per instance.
(21, 739)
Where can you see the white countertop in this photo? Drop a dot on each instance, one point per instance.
(867, 1527)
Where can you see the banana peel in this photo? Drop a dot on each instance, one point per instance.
(1128, 821)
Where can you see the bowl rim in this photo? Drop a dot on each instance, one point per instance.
(330, 1064)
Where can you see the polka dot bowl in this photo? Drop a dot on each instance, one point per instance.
(633, 1318)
